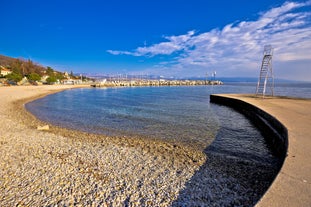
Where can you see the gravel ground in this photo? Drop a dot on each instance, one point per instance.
(61, 167)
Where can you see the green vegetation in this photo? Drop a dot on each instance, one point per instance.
(22, 68)
(51, 80)
(34, 77)
(26, 67)
(34, 72)
(16, 77)
(49, 71)
(53, 75)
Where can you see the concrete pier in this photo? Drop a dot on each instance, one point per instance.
(289, 119)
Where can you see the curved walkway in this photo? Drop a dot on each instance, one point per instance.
(292, 186)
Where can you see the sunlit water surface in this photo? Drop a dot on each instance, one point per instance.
(181, 115)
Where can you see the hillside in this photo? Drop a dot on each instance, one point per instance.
(34, 72)
(21, 66)
(5, 61)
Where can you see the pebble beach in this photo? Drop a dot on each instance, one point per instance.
(61, 167)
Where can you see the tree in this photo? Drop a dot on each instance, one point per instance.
(28, 67)
(16, 77)
(17, 67)
(49, 71)
(34, 77)
(51, 80)
(59, 76)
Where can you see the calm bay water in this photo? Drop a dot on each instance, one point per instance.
(179, 114)
(238, 155)
(171, 113)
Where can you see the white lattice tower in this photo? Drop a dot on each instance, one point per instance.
(266, 80)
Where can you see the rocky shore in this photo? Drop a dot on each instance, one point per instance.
(60, 167)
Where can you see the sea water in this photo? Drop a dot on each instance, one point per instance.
(181, 114)
(169, 113)
(238, 158)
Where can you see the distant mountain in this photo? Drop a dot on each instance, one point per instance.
(223, 79)
(252, 80)
(238, 79)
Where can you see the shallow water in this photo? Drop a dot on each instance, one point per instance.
(171, 113)
(239, 167)
(176, 114)
(181, 114)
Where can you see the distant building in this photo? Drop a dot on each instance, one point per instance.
(4, 71)
(66, 75)
(43, 78)
(71, 81)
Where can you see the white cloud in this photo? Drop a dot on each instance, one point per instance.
(115, 52)
(174, 44)
(237, 47)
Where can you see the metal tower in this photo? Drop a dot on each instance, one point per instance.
(266, 79)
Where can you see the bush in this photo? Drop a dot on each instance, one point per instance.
(51, 80)
(59, 76)
(16, 77)
(34, 77)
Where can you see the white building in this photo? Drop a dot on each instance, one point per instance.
(4, 71)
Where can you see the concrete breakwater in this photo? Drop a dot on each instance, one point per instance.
(272, 129)
(128, 83)
(290, 119)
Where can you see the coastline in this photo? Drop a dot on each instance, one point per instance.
(291, 186)
(68, 167)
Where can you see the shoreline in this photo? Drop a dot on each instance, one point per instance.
(290, 120)
(33, 122)
(68, 167)
(85, 168)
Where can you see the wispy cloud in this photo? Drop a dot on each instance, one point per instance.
(237, 47)
(174, 43)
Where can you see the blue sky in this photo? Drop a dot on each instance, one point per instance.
(171, 38)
